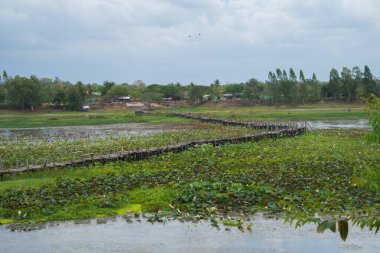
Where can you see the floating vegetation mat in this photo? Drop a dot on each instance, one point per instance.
(324, 175)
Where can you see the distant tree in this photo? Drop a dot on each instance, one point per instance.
(74, 98)
(5, 76)
(216, 83)
(81, 88)
(271, 77)
(284, 75)
(118, 91)
(314, 78)
(348, 84)
(369, 84)
(171, 91)
(3, 94)
(292, 75)
(252, 89)
(24, 92)
(139, 84)
(334, 83)
(273, 88)
(197, 91)
(59, 97)
(106, 86)
(279, 74)
(216, 89)
(315, 89)
(234, 88)
(302, 77)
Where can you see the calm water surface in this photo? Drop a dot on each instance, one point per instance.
(267, 235)
(93, 132)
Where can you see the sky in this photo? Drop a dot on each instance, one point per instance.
(164, 41)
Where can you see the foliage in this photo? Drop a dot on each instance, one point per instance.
(366, 175)
(24, 92)
(374, 106)
(74, 99)
(118, 91)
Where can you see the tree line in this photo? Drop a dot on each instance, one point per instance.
(281, 87)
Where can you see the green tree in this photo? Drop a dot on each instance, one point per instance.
(273, 88)
(24, 92)
(252, 89)
(59, 97)
(315, 89)
(216, 89)
(292, 75)
(234, 88)
(302, 78)
(334, 84)
(3, 94)
(74, 98)
(5, 76)
(171, 91)
(369, 84)
(107, 86)
(118, 91)
(348, 84)
(197, 91)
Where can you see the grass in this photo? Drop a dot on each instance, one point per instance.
(303, 112)
(284, 113)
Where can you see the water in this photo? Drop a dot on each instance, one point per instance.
(267, 235)
(334, 124)
(93, 132)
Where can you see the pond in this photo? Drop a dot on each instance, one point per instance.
(92, 132)
(120, 235)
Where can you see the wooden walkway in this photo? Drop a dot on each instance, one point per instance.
(256, 125)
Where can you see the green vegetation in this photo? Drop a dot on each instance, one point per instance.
(305, 112)
(281, 88)
(81, 118)
(296, 177)
(37, 152)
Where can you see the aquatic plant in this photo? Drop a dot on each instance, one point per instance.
(296, 178)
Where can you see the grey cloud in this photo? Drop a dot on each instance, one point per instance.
(128, 40)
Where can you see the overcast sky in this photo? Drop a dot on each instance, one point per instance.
(196, 41)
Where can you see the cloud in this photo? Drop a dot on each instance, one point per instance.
(233, 40)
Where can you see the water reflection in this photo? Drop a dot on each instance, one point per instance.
(91, 132)
(130, 234)
(333, 124)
